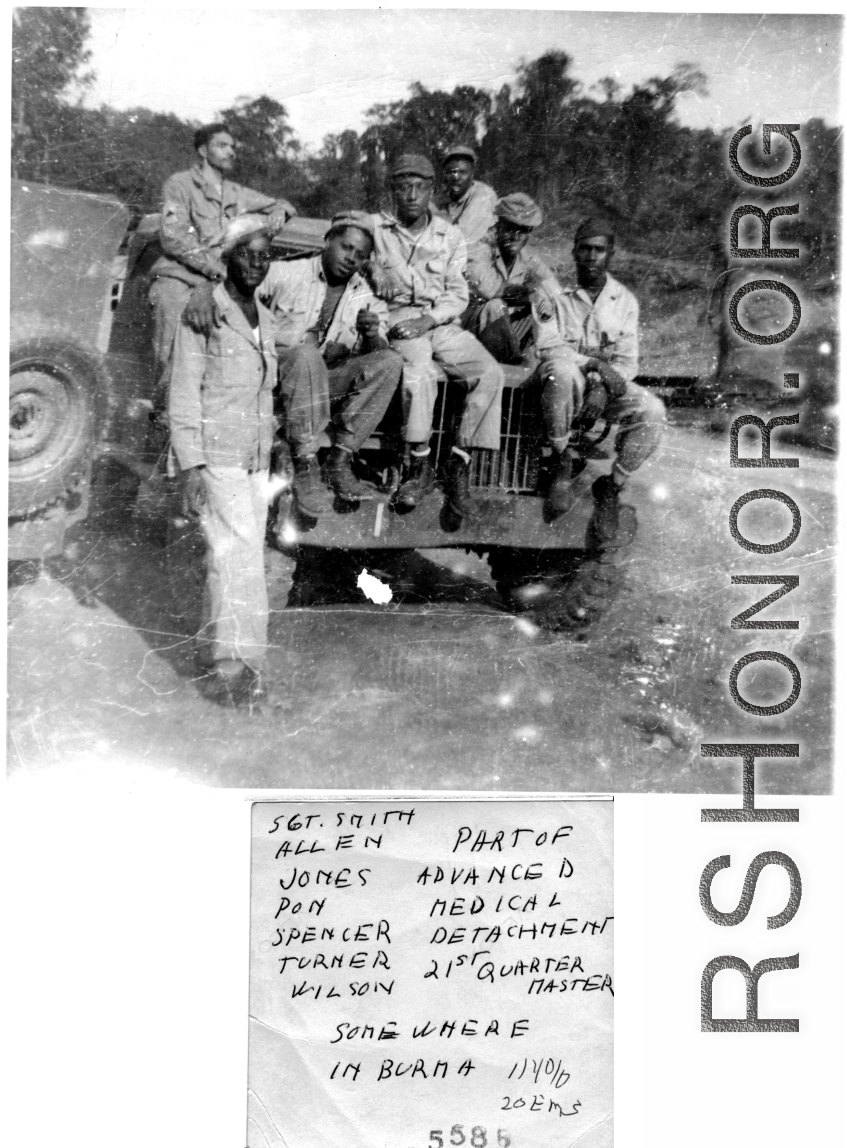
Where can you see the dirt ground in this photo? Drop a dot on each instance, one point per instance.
(443, 688)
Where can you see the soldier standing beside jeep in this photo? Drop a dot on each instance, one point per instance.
(419, 268)
(587, 339)
(197, 205)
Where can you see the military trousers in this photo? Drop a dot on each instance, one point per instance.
(233, 518)
(639, 414)
(167, 299)
(465, 362)
(352, 397)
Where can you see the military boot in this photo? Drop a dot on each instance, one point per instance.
(458, 504)
(606, 517)
(342, 479)
(310, 492)
(417, 484)
(560, 492)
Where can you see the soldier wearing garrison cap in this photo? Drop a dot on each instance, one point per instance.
(503, 278)
(419, 268)
(465, 201)
(586, 336)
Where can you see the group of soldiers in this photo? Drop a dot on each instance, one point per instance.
(323, 343)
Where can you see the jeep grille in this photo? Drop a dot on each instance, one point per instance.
(515, 466)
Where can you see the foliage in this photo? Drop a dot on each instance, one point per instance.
(816, 188)
(428, 122)
(352, 169)
(621, 153)
(48, 61)
(578, 154)
(337, 178)
(533, 125)
(269, 154)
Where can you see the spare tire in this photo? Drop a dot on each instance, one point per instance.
(57, 401)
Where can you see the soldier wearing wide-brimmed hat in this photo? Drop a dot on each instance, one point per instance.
(465, 201)
(503, 277)
(220, 408)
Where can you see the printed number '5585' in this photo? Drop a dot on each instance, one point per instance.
(478, 1138)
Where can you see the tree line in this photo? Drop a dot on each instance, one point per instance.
(622, 153)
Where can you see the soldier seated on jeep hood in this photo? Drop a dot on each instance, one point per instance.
(336, 370)
(420, 270)
(587, 339)
(502, 278)
(197, 206)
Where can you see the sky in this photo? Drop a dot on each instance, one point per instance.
(328, 66)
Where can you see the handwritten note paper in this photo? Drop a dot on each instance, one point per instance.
(426, 974)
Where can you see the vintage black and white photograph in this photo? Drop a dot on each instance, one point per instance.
(439, 399)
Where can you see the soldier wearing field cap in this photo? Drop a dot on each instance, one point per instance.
(503, 277)
(587, 339)
(419, 268)
(336, 370)
(465, 201)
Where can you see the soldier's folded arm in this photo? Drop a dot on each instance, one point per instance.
(179, 237)
(278, 211)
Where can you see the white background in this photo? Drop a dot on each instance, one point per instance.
(129, 922)
(126, 921)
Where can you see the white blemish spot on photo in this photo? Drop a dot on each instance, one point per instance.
(374, 589)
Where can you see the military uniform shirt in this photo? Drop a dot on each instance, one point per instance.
(488, 275)
(473, 214)
(220, 404)
(194, 218)
(296, 289)
(568, 323)
(425, 271)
